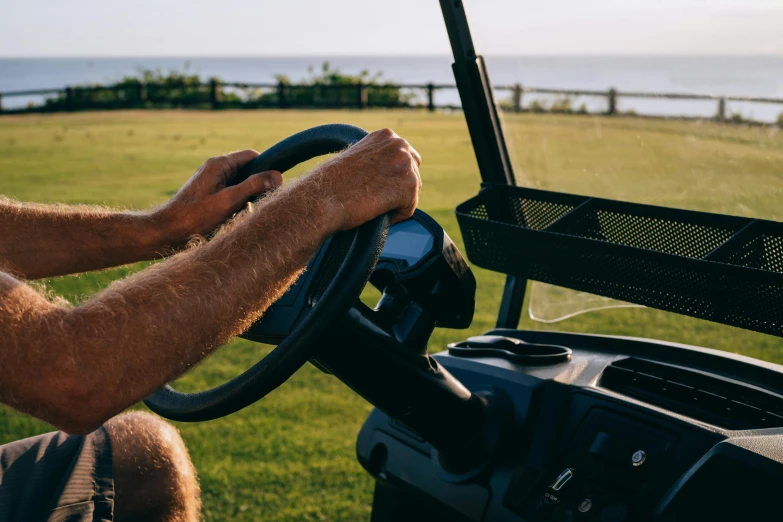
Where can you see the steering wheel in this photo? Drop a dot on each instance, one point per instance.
(332, 283)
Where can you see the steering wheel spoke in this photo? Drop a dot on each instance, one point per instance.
(294, 305)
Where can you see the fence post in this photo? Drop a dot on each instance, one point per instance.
(1, 104)
(282, 92)
(430, 97)
(68, 99)
(517, 98)
(612, 97)
(722, 109)
(213, 94)
(361, 94)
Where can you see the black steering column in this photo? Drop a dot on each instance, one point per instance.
(381, 352)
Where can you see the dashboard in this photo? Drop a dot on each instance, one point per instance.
(620, 429)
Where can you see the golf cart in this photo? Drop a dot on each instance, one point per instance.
(533, 425)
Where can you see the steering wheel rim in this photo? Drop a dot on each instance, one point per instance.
(340, 294)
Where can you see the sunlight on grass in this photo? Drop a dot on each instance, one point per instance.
(291, 455)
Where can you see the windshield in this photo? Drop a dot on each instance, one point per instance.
(649, 102)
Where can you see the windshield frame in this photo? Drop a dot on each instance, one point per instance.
(486, 133)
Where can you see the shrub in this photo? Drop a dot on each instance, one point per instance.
(562, 105)
(737, 118)
(507, 104)
(331, 87)
(537, 106)
(149, 88)
(154, 88)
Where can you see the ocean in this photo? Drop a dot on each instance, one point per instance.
(753, 76)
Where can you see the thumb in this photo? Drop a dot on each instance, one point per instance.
(255, 185)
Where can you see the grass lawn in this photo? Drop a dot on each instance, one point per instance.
(291, 456)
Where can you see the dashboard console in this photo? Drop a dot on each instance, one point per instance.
(610, 429)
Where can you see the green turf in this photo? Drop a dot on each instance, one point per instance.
(291, 456)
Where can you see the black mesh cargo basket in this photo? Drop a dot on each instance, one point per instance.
(721, 268)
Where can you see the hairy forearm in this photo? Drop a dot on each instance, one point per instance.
(46, 240)
(76, 367)
(144, 331)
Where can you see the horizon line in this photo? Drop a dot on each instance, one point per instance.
(433, 55)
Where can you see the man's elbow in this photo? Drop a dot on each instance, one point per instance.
(81, 410)
(75, 426)
(76, 422)
(73, 404)
(53, 369)
(82, 396)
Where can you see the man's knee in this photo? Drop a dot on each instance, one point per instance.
(153, 476)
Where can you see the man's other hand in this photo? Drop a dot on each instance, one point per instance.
(206, 201)
(377, 175)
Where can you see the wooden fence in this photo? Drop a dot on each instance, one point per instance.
(613, 95)
(212, 95)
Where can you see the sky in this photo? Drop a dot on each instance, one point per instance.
(391, 27)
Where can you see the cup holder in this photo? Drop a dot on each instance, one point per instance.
(511, 349)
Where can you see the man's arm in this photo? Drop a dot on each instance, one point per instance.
(46, 240)
(76, 368)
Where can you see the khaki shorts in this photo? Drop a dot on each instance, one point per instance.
(57, 478)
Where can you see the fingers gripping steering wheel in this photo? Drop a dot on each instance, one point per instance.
(335, 277)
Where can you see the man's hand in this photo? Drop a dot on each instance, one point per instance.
(205, 202)
(47, 240)
(377, 175)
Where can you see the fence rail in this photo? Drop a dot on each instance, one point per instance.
(212, 95)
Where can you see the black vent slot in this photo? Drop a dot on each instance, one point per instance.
(708, 398)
